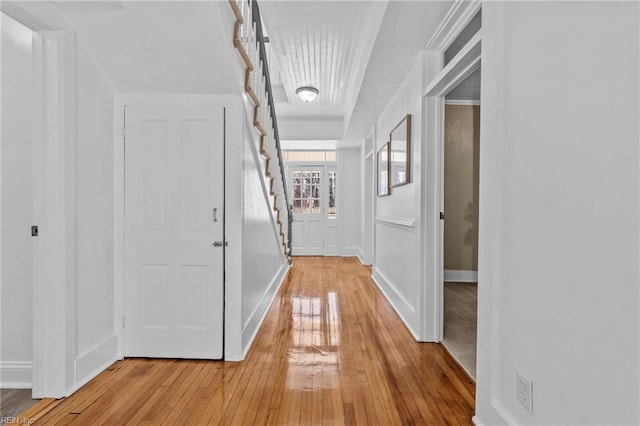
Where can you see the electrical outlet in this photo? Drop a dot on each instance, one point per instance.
(524, 391)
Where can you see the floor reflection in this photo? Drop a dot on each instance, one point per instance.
(315, 335)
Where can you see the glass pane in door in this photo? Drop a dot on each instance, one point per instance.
(306, 192)
(331, 211)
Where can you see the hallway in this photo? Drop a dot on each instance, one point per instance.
(331, 351)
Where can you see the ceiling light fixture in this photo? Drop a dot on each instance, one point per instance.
(307, 93)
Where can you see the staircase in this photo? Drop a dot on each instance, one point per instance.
(249, 41)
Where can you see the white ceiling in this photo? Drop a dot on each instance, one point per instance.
(357, 53)
(325, 44)
(156, 46)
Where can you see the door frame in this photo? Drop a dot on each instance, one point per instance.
(54, 254)
(335, 222)
(447, 78)
(369, 196)
(325, 165)
(232, 202)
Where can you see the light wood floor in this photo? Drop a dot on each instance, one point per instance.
(331, 351)
(14, 401)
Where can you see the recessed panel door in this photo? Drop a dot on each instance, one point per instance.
(173, 215)
(307, 189)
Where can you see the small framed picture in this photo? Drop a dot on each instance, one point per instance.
(400, 153)
(383, 170)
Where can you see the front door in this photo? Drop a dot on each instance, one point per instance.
(307, 230)
(173, 214)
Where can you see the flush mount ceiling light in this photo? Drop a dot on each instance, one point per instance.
(307, 93)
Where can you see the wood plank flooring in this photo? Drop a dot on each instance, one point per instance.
(14, 401)
(331, 351)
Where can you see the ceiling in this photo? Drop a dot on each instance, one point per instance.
(156, 46)
(325, 44)
(357, 53)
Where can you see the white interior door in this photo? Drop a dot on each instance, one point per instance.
(307, 191)
(173, 213)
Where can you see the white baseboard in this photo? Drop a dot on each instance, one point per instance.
(399, 303)
(504, 415)
(259, 313)
(94, 361)
(476, 421)
(452, 275)
(351, 252)
(16, 375)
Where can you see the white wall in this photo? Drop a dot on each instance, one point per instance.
(263, 262)
(368, 186)
(17, 204)
(559, 222)
(396, 266)
(91, 340)
(349, 201)
(96, 341)
(255, 261)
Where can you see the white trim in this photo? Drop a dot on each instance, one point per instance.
(38, 336)
(476, 421)
(38, 16)
(118, 222)
(251, 328)
(461, 102)
(432, 265)
(15, 375)
(399, 303)
(230, 103)
(455, 21)
(503, 413)
(54, 286)
(235, 144)
(352, 252)
(460, 67)
(94, 361)
(68, 288)
(460, 276)
(402, 222)
(54, 327)
(367, 205)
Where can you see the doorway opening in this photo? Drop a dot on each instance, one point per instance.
(313, 185)
(19, 206)
(38, 118)
(458, 50)
(460, 173)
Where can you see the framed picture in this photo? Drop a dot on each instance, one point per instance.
(383, 170)
(400, 153)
